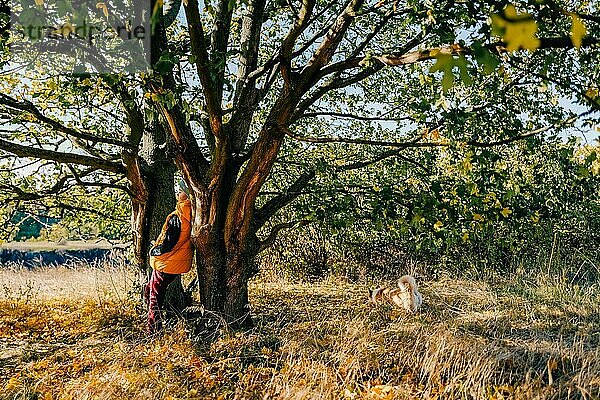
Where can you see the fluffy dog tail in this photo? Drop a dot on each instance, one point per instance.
(408, 284)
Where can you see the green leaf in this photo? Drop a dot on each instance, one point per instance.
(63, 8)
(464, 74)
(163, 66)
(583, 172)
(485, 58)
(443, 62)
(447, 80)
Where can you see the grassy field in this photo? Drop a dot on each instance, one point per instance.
(76, 334)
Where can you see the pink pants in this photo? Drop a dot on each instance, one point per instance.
(155, 291)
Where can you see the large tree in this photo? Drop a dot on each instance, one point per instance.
(264, 67)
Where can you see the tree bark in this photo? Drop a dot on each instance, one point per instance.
(151, 177)
(223, 277)
(223, 271)
(239, 269)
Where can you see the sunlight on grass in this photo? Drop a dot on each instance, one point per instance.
(502, 338)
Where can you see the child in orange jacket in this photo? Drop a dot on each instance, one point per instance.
(169, 257)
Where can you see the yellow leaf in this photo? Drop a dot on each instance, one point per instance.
(578, 30)
(477, 217)
(466, 164)
(521, 35)
(12, 384)
(382, 392)
(519, 29)
(65, 30)
(430, 17)
(465, 237)
(498, 23)
(438, 225)
(506, 212)
(456, 47)
(511, 12)
(39, 2)
(592, 93)
(535, 218)
(103, 7)
(489, 197)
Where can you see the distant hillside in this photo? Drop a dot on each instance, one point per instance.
(34, 254)
(64, 245)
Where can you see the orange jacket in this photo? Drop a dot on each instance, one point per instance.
(179, 259)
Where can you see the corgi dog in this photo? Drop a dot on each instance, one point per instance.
(405, 296)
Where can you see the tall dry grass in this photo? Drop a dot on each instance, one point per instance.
(525, 336)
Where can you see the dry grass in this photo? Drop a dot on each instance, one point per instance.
(61, 283)
(520, 337)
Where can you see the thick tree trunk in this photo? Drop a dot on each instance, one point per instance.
(224, 274)
(237, 305)
(152, 183)
(223, 282)
(223, 270)
(160, 177)
(210, 261)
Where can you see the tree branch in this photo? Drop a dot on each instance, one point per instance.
(219, 42)
(134, 117)
(270, 240)
(287, 45)
(417, 144)
(199, 50)
(381, 157)
(188, 155)
(275, 204)
(245, 94)
(60, 157)
(395, 59)
(324, 53)
(31, 109)
(317, 35)
(370, 142)
(353, 116)
(476, 143)
(336, 82)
